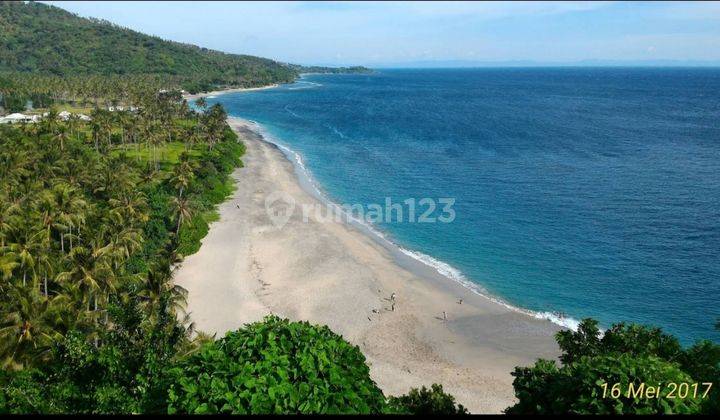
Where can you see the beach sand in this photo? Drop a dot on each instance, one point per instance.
(331, 273)
(191, 97)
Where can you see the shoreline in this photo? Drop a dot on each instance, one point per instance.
(194, 96)
(415, 261)
(335, 274)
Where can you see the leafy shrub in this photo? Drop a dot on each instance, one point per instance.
(702, 362)
(211, 186)
(620, 338)
(578, 387)
(275, 366)
(125, 375)
(192, 233)
(625, 354)
(425, 401)
(22, 393)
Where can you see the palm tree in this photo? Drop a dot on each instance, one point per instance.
(130, 206)
(73, 122)
(29, 327)
(153, 137)
(8, 264)
(91, 273)
(121, 245)
(158, 285)
(67, 207)
(25, 247)
(97, 127)
(183, 212)
(62, 136)
(50, 122)
(8, 212)
(182, 174)
(201, 103)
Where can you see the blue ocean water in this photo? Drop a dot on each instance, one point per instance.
(592, 192)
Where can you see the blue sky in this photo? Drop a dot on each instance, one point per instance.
(398, 33)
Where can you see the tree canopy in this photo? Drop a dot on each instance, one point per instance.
(602, 373)
(276, 366)
(47, 40)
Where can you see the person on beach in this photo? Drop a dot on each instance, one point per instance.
(460, 302)
(444, 316)
(392, 297)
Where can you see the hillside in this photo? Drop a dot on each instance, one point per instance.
(44, 39)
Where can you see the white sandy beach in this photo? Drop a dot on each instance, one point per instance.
(330, 273)
(191, 97)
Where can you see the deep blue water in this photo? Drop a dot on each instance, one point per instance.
(593, 192)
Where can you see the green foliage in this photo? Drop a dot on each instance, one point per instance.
(22, 393)
(423, 401)
(126, 374)
(577, 387)
(192, 233)
(332, 70)
(211, 185)
(48, 40)
(85, 225)
(583, 342)
(276, 366)
(625, 354)
(702, 362)
(620, 338)
(14, 103)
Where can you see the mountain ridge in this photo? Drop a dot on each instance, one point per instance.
(48, 40)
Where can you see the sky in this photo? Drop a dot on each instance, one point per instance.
(430, 33)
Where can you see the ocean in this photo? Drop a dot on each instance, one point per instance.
(579, 192)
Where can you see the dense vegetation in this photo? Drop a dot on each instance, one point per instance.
(283, 367)
(90, 211)
(632, 356)
(330, 70)
(425, 401)
(276, 367)
(43, 39)
(49, 41)
(94, 212)
(92, 216)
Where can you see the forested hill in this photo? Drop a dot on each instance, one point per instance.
(43, 39)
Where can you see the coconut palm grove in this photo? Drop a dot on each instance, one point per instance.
(116, 178)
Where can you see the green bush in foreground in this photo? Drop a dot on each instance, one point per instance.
(426, 401)
(276, 366)
(269, 367)
(282, 367)
(629, 355)
(578, 387)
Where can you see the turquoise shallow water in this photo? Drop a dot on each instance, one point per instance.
(591, 192)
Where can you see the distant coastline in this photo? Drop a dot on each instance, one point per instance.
(194, 96)
(303, 71)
